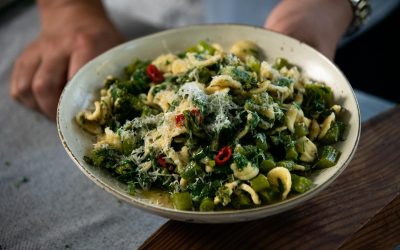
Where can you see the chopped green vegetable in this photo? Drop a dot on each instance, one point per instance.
(241, 200)
(300, 130)
(334, 133)
(328, 157)
(300, 184)
(182, 201)
(191, 171)
(259, 183)
(206, 205)
(269, 195)
(266, 165)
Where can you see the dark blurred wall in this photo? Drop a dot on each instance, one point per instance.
(371, 61)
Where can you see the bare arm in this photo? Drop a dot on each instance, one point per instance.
(319, 23)
(73, 32)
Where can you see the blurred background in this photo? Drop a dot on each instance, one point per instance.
(370, 60)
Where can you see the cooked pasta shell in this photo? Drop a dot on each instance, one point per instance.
(282, 174)
(244, 48)
(164, 62)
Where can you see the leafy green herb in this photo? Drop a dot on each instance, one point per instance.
(283, 82)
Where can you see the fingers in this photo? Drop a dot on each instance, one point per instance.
(84, 51)
(43, 69)
(22, 76)
(49, 81)
(87, 46)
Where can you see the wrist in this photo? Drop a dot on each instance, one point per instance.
(67, 15)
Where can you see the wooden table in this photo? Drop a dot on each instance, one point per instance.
(360, 210)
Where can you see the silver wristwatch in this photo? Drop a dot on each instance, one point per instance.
(361, 11)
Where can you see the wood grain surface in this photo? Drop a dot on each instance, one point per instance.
(360, 210)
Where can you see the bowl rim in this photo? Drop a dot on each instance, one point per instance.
(257, 212)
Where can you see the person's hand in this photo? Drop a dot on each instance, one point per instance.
(319, 23)
(73, 32)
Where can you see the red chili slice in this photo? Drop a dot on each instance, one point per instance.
(179, 120)
(155, 74)
(223, 156)
(161, 161)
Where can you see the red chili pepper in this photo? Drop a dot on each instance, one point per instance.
(161, 161)
(179, 120)
(155, 74)
(223, 156)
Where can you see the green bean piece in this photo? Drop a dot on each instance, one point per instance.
(328, 157)
(259, 183)
(241, 200)
(291, 153)
(182, 201)
(286, 164)
(333, 134)
(191, 171)
(269, 195)
(300, 130)
(300, 184)
(267, 165)
(206, 205)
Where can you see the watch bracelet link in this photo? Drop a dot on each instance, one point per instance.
(361, 11)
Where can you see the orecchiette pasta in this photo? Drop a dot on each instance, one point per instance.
(165, 62)
(253, 194)
(244, 48)
(283, 175)
(246, 173)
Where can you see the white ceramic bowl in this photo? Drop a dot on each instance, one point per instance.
(83, 88)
